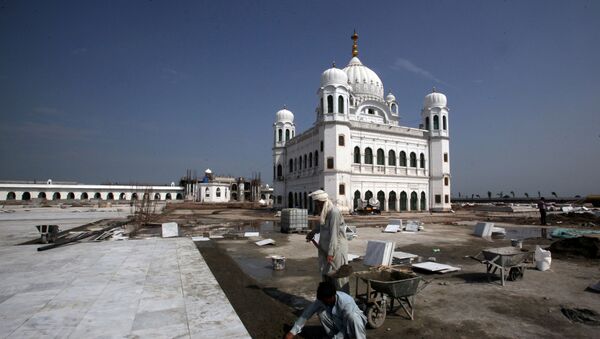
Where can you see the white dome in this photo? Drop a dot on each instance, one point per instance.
(390, 97)
(363, 80)
(284, 116)
(334, 76)
(435, 99)
(208, 171)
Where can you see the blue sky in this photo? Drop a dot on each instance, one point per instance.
(139, 91)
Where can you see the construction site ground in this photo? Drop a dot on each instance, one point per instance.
(461, 304)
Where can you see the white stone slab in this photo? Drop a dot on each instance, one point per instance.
(265, 242)
(412, 226)
(170, 229)
(392, 228)
(436, 267)
(404, 255)
(251, 234)
(200, 239)
(379, 253)
(483, 229)
(351, 256)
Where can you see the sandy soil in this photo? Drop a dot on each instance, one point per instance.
(462, 304)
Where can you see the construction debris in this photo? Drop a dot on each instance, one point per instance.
(394, 225)
(170, 229)
(265, 242)
(251, 234)
(379, 253)
(436, 267)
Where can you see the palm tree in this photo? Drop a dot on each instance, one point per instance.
(490, 195)
(527, 194)
(477, 195)
(539, 194)
(554, 194)
(512, 193)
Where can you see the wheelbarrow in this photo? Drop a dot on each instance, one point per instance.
(48, 233)
(509, 261)
(384, 289)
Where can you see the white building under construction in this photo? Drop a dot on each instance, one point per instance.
(358, 150)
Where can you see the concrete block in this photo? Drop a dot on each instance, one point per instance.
(170, 229)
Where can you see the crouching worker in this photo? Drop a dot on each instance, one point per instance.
(339, 314)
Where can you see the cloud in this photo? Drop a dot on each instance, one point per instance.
(406, 65)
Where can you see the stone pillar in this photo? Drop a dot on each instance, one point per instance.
(398, 204)
(386, 206)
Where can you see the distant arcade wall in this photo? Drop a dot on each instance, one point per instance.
(50, 191)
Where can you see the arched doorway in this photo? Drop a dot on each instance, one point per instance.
(368, 195)
(122, 196)
(305, 200)
(290, 200)
(98, 196)
(392, 201)
(234, 196)
(110, 196)
(134, 196)
(403, 201)
(381, 198)
(423, 202)
(56, 196)
(356, 199)
(84, 196)
(42, 195)
(71, 196)
(179, 196)
(11, 196)
(168, 196)
(26, 196)
(157, 196)
(414, 201)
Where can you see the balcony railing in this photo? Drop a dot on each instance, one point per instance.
(388, 170)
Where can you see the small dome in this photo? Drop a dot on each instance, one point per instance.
(334, 76)
(284, 116)
(435, 99)
(363, 80)
(390, 97)
(208, 171)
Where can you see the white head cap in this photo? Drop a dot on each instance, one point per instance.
(319, 195)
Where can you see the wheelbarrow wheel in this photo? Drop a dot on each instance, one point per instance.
(515, 273)
(376, 315)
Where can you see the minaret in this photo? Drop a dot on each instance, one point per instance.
(435, 120)
(284, 129)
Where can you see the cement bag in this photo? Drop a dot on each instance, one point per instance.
(543, 259)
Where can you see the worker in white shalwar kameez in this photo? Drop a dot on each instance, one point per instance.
(333, 245)
(338, 313)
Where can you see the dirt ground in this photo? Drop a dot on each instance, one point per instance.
(455, 305)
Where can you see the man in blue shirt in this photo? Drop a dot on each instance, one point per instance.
(339, 314)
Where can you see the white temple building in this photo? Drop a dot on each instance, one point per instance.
(357, 149)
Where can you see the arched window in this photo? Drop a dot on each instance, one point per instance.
(446, 181)
(279, 171)
(422, 160)
(310, 160)
(414, 201)
(134, 196)
(316, 158)
(413, 159)
(71, 196)
(207, 192)
(427, 123)
(279, 199)
(423, 202)
(403, 158)
(42, 195)
(98, 196)
(287, 134)
(122, 196)
(218, 193)
(296, 201)
(392, 201)
(357, 155)
(394, 108)
(329, 104)
(381, 199)
(368, 195)
(156, 196)
(179, 196)
(26, 196)
(403, 201)
(234, 187)
(340, 104)
(356, 199)
(291, 165)
(380, 157)
(436, 122)
(444, 122)
(56, 196)
(11, 196)
(368, 156)
(391, 158)
(280, 135)
(305, 161)
(111, 196)
(84, 196)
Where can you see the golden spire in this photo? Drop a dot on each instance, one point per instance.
(354, 44)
